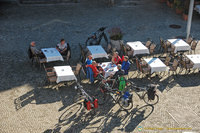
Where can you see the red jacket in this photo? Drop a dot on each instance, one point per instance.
(94, 69)
(118, 60)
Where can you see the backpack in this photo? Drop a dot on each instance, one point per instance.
(30, 54)
(151, 93)
(122, 83)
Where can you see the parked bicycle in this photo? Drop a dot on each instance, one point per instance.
(148, 92)
(95, 38)
(82, 96)
(107, 91)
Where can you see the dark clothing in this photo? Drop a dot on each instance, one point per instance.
(126, 66)
(120, 72)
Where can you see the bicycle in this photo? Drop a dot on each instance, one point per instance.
(107, 90)
(95, 38)
(89, 102)
(148, 92)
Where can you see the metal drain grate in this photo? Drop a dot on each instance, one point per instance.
(175, 26)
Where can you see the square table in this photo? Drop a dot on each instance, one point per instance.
(197, 8)
(109, 68)
(180, 45)
(138, 48)
(64, 73)
(156, 65)
(97, 52)
(52, 54)
(195, 59)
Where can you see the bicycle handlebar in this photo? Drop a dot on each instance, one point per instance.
(102, 28)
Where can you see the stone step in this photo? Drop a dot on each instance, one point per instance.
(45, 1)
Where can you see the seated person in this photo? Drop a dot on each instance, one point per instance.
(62, 47)
(125, 65)
(120, 72)
(114, 77)
(89, 60)
(94, 69)
(35, 51)
(116, 59)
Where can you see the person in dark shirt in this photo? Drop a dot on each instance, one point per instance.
(113, 78)
(126, 65)
(36, 51)
(120, 72)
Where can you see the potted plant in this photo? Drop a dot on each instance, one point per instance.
(186, 8)
(179, 6)
(116, 36)
(170, 3)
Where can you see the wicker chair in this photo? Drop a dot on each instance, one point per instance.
(152, 48)
(83, 54)
(167, 60)
(77, 70)
(50, 75)
(148, 43)
(194, 45)
(174, 67)
(189, 40)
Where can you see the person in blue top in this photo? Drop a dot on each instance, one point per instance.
(126, 65)
(87, 63)
(89, 60)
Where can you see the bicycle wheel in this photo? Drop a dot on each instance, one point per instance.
(150, 102)
(124, 105)
(102, 96)
(78, 98)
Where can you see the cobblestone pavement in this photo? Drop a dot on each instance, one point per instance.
(28, 106)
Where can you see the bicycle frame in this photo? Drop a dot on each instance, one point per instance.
(82, 92)
(97, 36)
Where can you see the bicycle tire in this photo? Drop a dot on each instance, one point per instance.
(150, 102)
(122, 105)
(78, 98)
(88, 42)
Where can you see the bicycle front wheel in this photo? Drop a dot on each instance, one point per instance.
(126, 105)
(149, 101)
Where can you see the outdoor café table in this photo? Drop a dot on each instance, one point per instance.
(179, 44)
(97, 52)
(197, 8)
(109, 68)
(64, 73)
(52, 54)
(195, 59)
(156, 65)
(138, 48)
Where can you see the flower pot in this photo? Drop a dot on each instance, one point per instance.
(185, 16)
(116, 44)
(179, 11)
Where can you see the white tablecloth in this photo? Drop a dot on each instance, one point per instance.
(52, 54)
(195, 59)
(197, 8)
(156, 65)
(109, 68)
(138, 48)
(97, 52)
(179, 44)
(64, 73)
